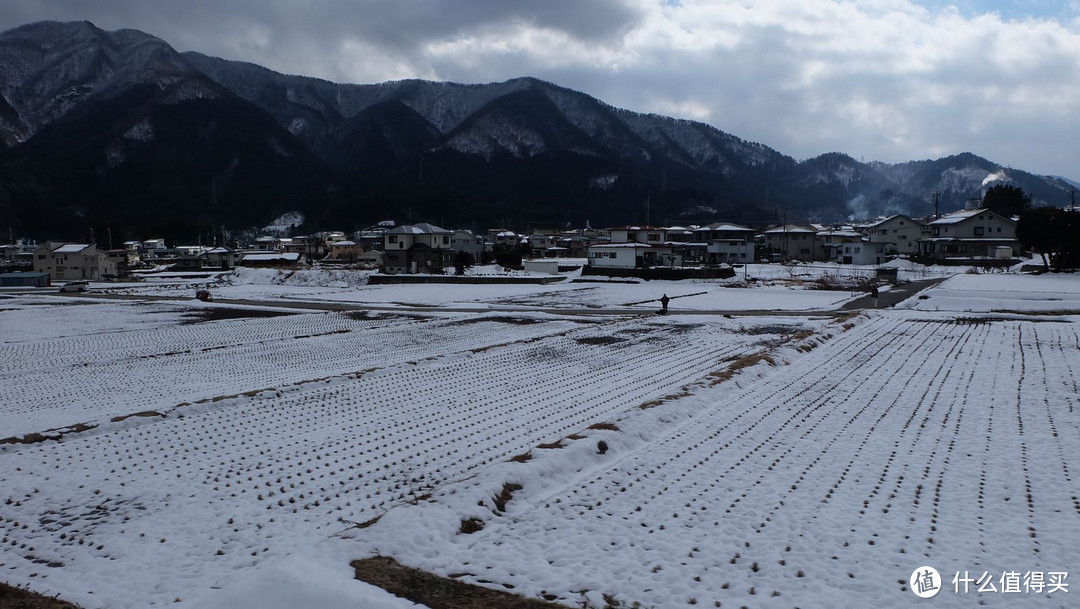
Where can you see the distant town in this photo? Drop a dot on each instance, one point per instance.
(969, 237)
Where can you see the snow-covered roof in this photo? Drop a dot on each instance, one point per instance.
(840, 233)
(422, 228)
(271, 257)
(725, 226)
(345, 243)
(959, 216)
(790, 228)
(71, 248)
(621, 245)
(881, 221)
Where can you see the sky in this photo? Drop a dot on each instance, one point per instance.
(888, 80)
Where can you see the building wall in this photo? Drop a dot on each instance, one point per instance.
(89, 264)
(613, 257)
(900, 234)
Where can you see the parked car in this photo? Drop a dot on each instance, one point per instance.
(75, 286)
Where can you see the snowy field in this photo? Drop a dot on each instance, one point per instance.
(671, 461)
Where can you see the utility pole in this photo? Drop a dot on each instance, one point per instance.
(934, 199)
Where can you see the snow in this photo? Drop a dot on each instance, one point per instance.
(765, 461)
(1051, 293)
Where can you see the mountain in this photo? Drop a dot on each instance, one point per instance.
(116, 130)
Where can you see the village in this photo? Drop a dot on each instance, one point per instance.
(972, 237)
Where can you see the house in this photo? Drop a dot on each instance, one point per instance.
(468, 242)
(899, 233)
(417, 248)
(638, 234)
(126, 259)
(861, 252)
(791, 241)
(726, 242)
(313, 247)
(71, 261)
(344, 250)
(371, 259)
(153, 247)
(223, 257)
(266, 243)
(540, 243)
(833, 241)
(621, 255)
(970, 233)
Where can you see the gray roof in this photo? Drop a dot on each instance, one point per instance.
(422, 228)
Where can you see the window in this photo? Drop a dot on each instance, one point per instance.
(978, 231)
(392, 239)
(445, 239)
(653, 236)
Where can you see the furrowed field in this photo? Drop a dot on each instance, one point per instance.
(160, 453)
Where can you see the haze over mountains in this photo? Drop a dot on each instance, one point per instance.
(117, 130)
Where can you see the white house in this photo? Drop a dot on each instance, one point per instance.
(970, 233)
(618, 255)
(899, 233)
(861, 252)
(71, 261)
(726, 242)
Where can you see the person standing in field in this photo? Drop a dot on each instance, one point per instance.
(663, 304)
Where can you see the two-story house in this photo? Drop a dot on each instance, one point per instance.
(726, 242)
(899, 233)
(417, 248)
(968, 234)
(72, 261)
(793, 242)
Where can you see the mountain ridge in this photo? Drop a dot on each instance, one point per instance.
(523, 149)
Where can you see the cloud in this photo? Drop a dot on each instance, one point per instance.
(882, 79)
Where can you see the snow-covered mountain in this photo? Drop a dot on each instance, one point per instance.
(48, 69)
(118, 129)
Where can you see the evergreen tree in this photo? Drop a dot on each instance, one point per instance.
(1006, 200)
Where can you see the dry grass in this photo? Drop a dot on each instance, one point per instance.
(35, 438)
(504, 496)
(720, 376)
(21, 598)
(145, 413)
(438, 592)
(604, 426)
